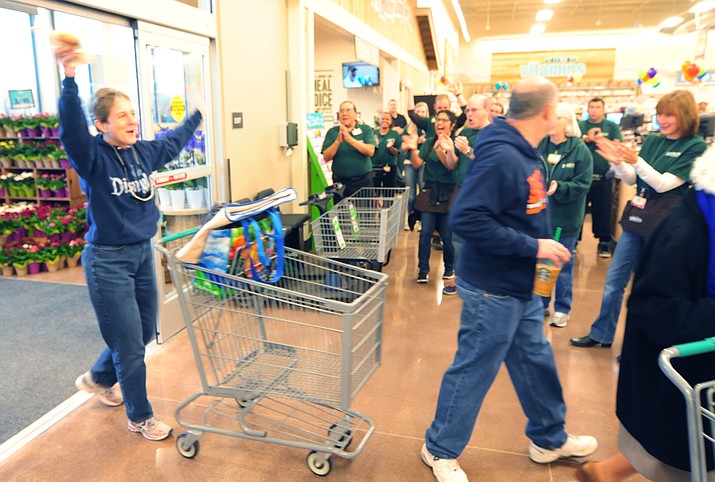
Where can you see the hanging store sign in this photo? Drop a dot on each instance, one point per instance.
(595, 65)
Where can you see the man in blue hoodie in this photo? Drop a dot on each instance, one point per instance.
(501, 213)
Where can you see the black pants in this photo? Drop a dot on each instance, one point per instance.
(386, 179)
(353, 185)
(600, 196)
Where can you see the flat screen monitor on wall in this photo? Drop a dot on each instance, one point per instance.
(631, 122)
(357, 75)
(707, 126)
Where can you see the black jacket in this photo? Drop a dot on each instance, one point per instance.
(668, 306)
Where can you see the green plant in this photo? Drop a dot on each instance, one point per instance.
(49, 120)
(19, 257)
(4, 257)
(49, 252)
(178, 186)
(58, 182)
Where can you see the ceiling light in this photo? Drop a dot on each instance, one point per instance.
(670, 22)
(538, 28)
(551, 2)
(702, 7)
(544, 15)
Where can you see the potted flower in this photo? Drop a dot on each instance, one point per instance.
(44, 184)
(50, 254)
(178, 195)
(8, 225)
(14, 125)
(58, 185)
(7, 148)
(19, 259)
(5, 262)
(4, 122)
(194, 194)
(50, 125)
(73, 251)
(32, 126)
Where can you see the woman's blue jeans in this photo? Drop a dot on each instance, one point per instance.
(564, 283)
(498, 329)
(430, 222)
(619, 273)
(413, 178)
(122, 287)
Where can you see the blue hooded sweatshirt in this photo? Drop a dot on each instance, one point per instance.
(114, 216)
(500, 212)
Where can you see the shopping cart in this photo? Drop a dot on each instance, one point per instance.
(363, 228)
(281, 362)
(700, 402)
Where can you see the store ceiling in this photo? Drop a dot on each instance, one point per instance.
(515, 17)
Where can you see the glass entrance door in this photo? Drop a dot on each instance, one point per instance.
(174, 81)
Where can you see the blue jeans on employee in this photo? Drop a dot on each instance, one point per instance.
(413, 178)
(619, 273)
(122, 287)
(430, 222)
(498, 329)
(564, 283)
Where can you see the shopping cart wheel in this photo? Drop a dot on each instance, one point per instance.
(318, 466)
(189, 451)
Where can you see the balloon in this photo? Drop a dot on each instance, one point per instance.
(640, 81)
(702, 72)
(577, 77)
(685, 65)
(497, 86)
(652, 72)
(655, 81)
(645, 78)
(505, 86)
(569, 79)
(693, 70)
(443, 79)
(642, 73)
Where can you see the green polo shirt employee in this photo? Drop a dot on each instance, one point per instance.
(350, 146)
(600, 196)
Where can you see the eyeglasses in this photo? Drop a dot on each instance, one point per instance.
(441, 119)
(346, 111)
(471, 110)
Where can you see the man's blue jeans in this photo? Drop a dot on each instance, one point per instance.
(564, 283)
(430, 222)
(619, 273)
(122, 287)
(413, 178)
(496, 329)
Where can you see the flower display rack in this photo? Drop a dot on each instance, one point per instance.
(71, 195)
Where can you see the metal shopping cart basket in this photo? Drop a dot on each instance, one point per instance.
(363, 228)
(700, 402)
(281, 362)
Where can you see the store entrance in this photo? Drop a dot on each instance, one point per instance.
(173, 80)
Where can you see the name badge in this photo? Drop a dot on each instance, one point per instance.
(357, 131)
(553, 158)
(639, 202)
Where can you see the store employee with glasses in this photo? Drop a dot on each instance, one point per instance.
(350, 145)
(115, 173)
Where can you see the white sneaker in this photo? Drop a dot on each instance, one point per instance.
(151, 429)
(107, 395)
(444, 470)
(559, 319)
(575, 446)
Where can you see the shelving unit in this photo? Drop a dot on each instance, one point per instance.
(75, 198)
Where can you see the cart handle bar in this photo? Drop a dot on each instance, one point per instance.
(696, 347)
(182, 234)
